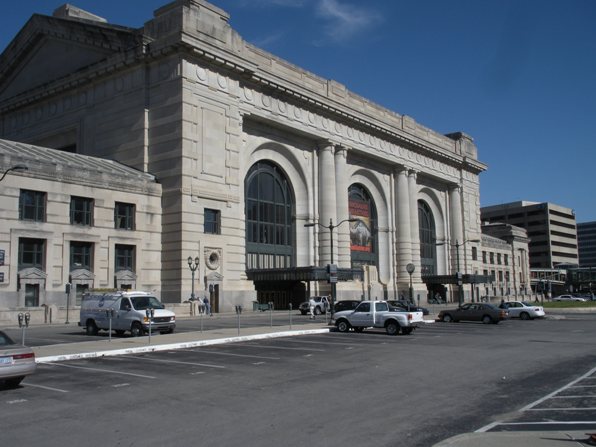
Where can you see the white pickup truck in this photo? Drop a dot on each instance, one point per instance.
(382, 315)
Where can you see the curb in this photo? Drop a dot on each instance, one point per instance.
(171, 346)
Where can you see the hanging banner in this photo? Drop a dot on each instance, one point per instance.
(360, 233)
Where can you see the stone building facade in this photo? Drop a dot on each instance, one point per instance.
(249, 151)
(505, 258)
(74, 219)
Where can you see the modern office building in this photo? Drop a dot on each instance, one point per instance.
(551, 229)
(266, 173)
(586, 242)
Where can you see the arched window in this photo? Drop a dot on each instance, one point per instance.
(363, 233)
(269, 207)
(428, 239)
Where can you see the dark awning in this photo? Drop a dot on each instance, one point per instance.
(310, 273)
(452, 279)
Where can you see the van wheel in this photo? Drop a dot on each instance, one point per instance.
(136, 329)
(91, 328)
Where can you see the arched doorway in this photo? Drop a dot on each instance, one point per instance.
(428, 250)
(269, 209)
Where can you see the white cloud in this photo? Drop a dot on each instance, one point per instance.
(345, 20)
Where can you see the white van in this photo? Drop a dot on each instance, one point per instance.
(128, 312)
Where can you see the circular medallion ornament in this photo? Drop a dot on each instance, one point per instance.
(212, 259)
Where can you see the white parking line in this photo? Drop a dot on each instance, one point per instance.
(235, 355)
(553, 395)
(45, 387)
(285, 348)
(103, 370)
(206, 365)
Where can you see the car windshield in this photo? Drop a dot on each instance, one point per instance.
(5, 340)
(146, 302)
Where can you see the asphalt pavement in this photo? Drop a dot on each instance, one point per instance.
(183, 340)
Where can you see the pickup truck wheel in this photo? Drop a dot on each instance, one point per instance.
(91, 328)
(487, 319)
(136, 329)
(447, 318)
(392, 328)
(343, 326)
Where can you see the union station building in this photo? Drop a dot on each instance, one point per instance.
(180, 159)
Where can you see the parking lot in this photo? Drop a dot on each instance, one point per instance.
(328, 389)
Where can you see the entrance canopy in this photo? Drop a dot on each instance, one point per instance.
(310, 273)
(452, 279)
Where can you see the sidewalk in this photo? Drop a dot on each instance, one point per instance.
(159, 342)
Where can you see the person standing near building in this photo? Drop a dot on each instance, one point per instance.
(207, 306)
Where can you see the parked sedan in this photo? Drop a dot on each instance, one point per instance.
(345, 305)
(16, 361)
(487, 313)
(408, 306)
(523, 310)
(568, 298)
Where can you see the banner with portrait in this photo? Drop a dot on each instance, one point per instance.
(360, 231)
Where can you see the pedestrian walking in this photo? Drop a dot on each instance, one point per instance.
(311, 306)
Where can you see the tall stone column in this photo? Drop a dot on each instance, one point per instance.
(343, 256)
(414, 225)
(327, 201)
(457, 234)
(404, 245)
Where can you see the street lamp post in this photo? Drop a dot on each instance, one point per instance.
(14, 168)
(193, 265)
(458, 273)
(330, 227)
(410, 269)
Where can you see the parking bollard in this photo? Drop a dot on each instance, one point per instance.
(110, 315)
(238, 312)
(150, 313)
(290, 314)
(270, 313)
(24, 319)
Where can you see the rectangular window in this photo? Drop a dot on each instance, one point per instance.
(81, 255)
(31, 253)
(492, 257)
(32, 205)
(484, 257)
(212, 221)
(81, 211)
(125, 257)
(124, 216)
(499, 258)
(474, 254)
(506, 259)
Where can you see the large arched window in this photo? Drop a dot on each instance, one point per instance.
(363, 234)
(428, 239)
(269, 207)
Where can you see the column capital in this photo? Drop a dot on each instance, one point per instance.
(413, 173)
(400, 170)
(326, 146)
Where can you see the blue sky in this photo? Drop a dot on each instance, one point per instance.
(519, 76)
